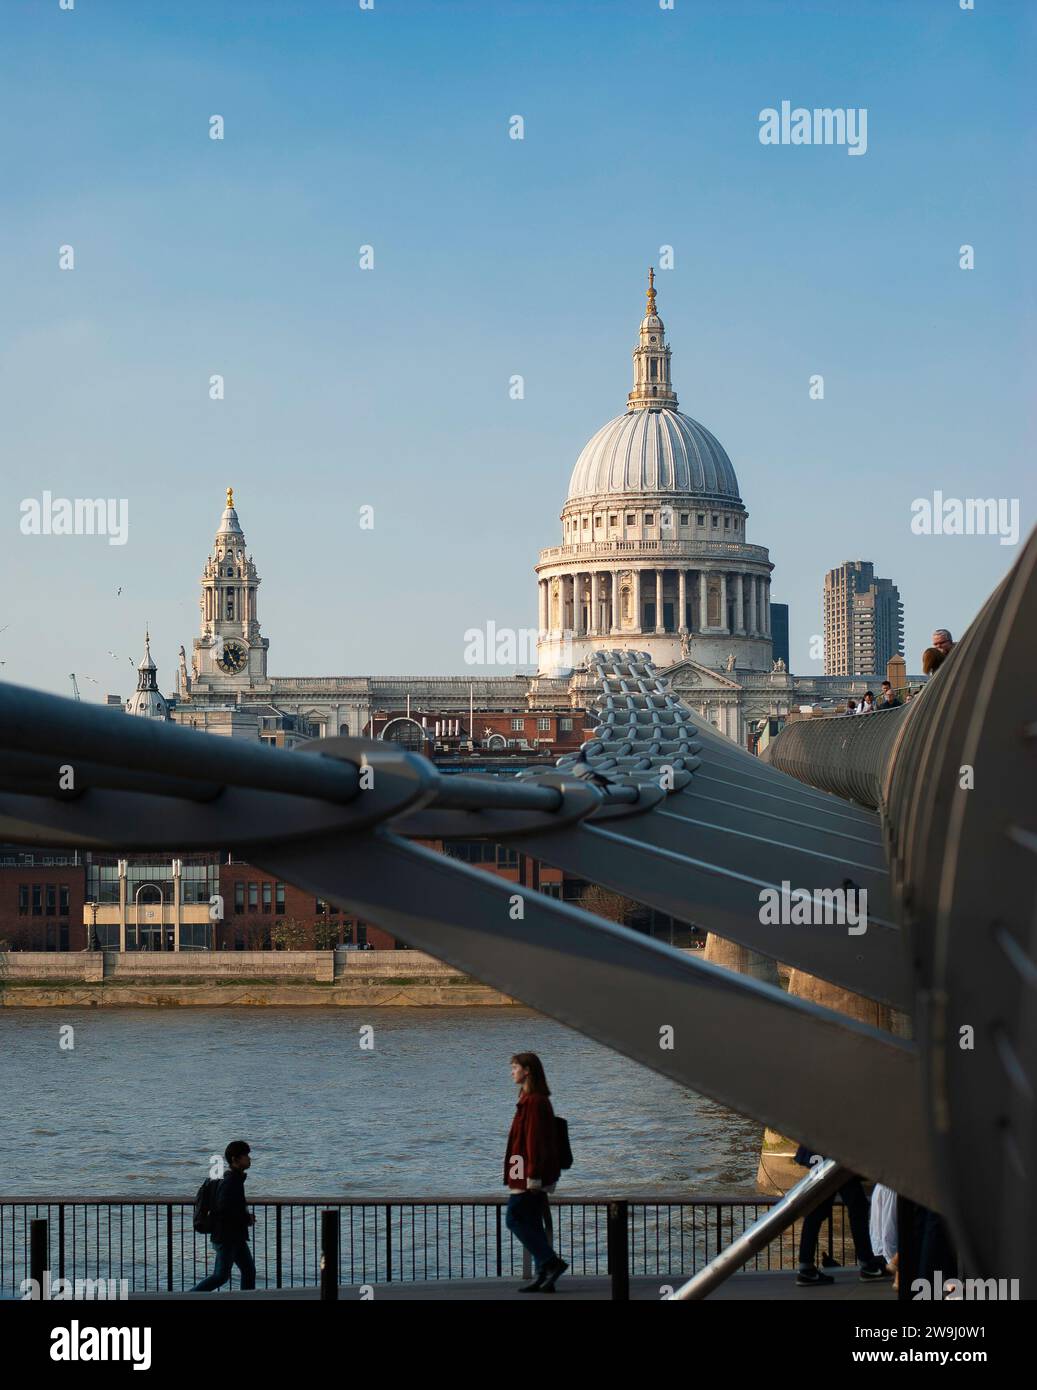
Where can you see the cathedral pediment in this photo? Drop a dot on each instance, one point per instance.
(691, 675)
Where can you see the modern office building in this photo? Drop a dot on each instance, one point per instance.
(780, 632)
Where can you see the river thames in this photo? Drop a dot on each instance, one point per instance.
(143, 1098)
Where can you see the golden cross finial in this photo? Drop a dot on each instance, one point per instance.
(230, 497)
(651, 290)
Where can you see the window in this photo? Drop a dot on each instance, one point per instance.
(565, 725)
(517, 726)
(63, 904)
(684, 518)
(586, 522)
(23, 900)
(543, 726)
(507, 858)
(649, 518)
(471, 851)
(280, 898)
(613, 519)
(727, 523)
(701, 518)
(239, 898)
(37, 900)
(714, 523)
(630, 518)
(268, 893)
(597, 521)
(253, 897)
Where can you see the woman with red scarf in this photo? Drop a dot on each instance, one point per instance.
(531, 1170)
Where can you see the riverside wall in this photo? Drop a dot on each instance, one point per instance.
(106, 979)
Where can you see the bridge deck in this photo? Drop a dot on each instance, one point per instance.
(765, 1284)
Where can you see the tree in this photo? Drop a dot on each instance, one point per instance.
(288, 934)
(325, 933)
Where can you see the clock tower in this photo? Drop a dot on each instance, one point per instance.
(230, 654)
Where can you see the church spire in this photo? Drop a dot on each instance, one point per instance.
(230, 644)
(147, 700)
(652, 388)
(147, 671)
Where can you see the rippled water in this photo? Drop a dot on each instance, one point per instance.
(146, 1096)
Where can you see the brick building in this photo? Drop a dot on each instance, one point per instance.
(42, 893)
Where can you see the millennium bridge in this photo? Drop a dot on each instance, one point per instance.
(660, 807)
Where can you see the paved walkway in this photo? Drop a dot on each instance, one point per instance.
(754, 1285)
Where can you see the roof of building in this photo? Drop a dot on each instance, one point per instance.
(654, 452)
(229, 524)
(147, 700)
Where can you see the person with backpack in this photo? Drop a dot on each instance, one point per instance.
(532, 1167)
(220, 1210)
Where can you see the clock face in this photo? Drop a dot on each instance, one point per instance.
(233, 659)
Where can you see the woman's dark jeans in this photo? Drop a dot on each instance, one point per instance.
(525, 1219)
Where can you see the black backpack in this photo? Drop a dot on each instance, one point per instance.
(565, 1153)
(204, 1217)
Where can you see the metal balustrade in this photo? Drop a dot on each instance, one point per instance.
(152, 1245)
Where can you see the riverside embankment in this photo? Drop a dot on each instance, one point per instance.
(168, 979)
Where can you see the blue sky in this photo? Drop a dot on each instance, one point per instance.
(493, 257)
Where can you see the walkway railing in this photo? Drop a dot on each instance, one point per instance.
(152, 1244)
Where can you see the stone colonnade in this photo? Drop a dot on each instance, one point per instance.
(603, 602)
